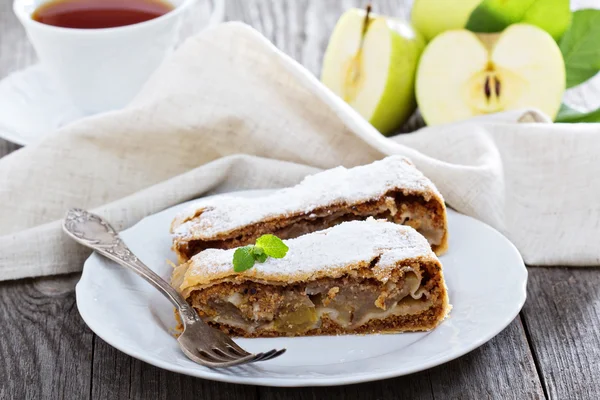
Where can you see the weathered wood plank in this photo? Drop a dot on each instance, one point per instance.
(118, 376)
(15, 50)
(111, 372)
(45, 347)
(301, 28)
(151, 382)
(562, 318)
(502, 366)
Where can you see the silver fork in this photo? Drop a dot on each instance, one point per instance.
(200, 342)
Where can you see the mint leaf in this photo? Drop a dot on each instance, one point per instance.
(569, 115)
(243, 259)
(259, 254)
(580, 47)
(272, 246)
(490, 16)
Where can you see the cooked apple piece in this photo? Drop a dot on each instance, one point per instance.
(463, 74)
(371, 62)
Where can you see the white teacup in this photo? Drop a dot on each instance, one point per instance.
(103, 69)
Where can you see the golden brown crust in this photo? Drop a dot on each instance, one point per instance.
(424, 212)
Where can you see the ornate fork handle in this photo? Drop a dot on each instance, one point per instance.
(94, 232)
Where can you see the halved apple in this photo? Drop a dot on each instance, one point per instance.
(371, 63)
(462, 74)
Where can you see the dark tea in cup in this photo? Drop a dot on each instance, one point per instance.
(96, 14)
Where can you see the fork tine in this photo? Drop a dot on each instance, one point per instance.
(235, 346)
(274, 355)
(221, 364)
(261, 356)
(265, 356)
(211, 360)
(217, 357)
(210, 357)
(204, 358)
(238, 351)
(224, 355)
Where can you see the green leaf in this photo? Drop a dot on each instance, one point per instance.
(243, 259)
(272, 246)
(569, 115)
(490, 16)
(580, 47)
(259, 254)
(493, 15)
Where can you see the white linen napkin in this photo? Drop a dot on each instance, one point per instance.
(229, 111)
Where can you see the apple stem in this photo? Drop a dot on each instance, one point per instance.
(354, 71)
(364, 28)
(366, 22)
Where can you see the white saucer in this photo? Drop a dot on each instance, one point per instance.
(484, 272)
(32, 105)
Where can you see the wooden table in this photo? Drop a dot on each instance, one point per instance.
(551, 350)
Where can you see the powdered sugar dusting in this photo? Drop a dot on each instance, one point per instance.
(330, 252)
(338, 186)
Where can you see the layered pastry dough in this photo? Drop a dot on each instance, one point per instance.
(357, 277)
(392, 189)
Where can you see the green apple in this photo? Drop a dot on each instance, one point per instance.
(463, 74)
(371, 62)
(553, 16)
(432, 17)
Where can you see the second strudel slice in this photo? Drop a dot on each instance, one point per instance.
(391, 189)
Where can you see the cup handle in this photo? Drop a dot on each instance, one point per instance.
(196, 19)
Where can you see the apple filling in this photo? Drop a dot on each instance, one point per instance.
(348, 302)
(424, 216)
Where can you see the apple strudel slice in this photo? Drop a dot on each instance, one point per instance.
(357, 277)
(391, 189)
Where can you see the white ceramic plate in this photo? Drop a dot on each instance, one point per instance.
(484, 272)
